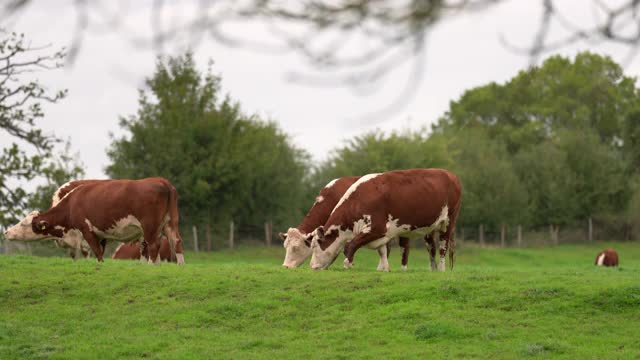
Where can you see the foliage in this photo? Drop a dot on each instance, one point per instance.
(377, 152)
(31, 157)
(492, 193)
(496, 304)
(62, 167)
(225, 164)
(589, 92)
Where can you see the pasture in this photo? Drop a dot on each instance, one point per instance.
(497, 304)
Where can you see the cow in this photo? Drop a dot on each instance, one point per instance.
(82, 245)
(608, 257)
(74, 245)
(379, 207)
(119, 210)
(297, 241)
(132, 251)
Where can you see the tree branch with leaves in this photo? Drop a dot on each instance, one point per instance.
(31, 155)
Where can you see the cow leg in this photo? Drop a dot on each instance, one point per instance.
(447, 244)
(175, 241)
(385, 255)
(404, 245)
(357, 242)
(431, 246)
(383, 265)
(72, 253)
(151, 238)
(144, 250)
(94, 243)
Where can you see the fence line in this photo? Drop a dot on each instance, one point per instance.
(503, 235)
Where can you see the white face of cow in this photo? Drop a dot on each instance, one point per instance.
(23, 231)
(297, 251)
(321, 259)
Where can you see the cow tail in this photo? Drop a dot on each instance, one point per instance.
(174, 234)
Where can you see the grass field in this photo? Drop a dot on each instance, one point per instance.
(496, 304)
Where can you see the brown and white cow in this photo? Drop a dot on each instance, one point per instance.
(75, 244)
(132, 251)
(297, 241)
(379, 207)
(608, 257)
(80, 243)
(119, 210)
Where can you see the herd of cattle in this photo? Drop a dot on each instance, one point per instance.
(349, 213)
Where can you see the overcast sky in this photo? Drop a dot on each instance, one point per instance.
(104, 81)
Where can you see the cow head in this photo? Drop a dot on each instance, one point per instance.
(298, 247)
(27, 229)
(332, 240)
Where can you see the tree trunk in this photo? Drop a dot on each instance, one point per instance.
(502, 235)
(481, 234)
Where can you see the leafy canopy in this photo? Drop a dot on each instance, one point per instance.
(224, 163)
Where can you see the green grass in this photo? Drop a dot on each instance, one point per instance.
(497, 304)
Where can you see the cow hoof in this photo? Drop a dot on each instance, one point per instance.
(180, 259)
(404, 267)
(347, 264)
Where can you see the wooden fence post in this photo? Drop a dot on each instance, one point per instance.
(7, 247)
(553, 232)
(519, 235)
(481, 234)
(502, 235)
(590, 229)
(208, 237)
(267, 233)
(231, 231)
(195, 238)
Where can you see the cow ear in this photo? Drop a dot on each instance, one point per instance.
(283, 236)
(308, 238)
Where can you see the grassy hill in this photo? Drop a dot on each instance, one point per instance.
(496, 304)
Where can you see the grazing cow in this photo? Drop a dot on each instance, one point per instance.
(132, 251)
(608, 257)
(380, 207)
(120, 210)
(297, 241)
(84, 247)
(73, 244)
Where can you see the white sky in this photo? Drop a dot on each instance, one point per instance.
(103, 83)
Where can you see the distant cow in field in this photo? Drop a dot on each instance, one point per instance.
(608, 257)
(132, 251)
(297, 241)
(119, 210)
(380, 207)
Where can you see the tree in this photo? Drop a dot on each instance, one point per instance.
(30, 158)
(589, 92)
(377, 152)
(492, 193)
(225, 164)
(572, 177)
